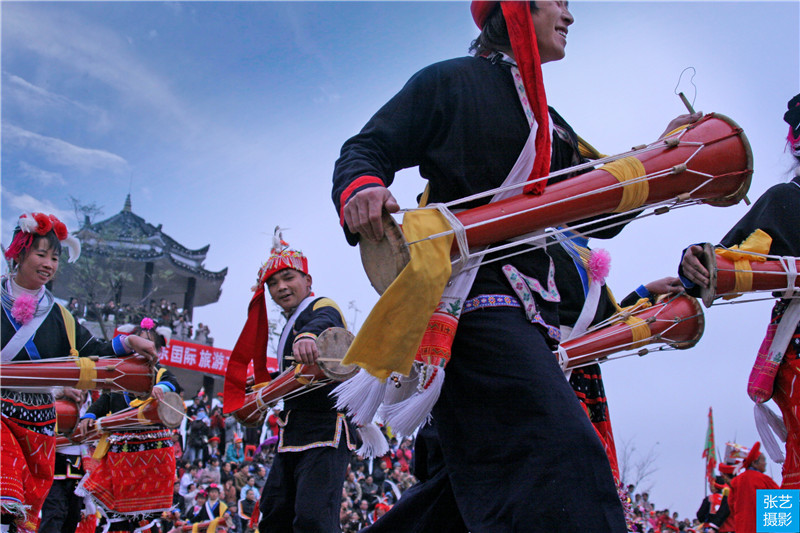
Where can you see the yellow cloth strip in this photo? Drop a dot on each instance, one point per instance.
(759, 242)
(69, 325)
(212, 527)
(102, 447)
(640, 331)
(140, 411)
(743, 280)
(588, 151)
(195, 528)
(88, 375)
(633, 194)
(389, 338)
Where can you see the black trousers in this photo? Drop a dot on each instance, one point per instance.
(61, 511)
(518, 452)
(303, 492)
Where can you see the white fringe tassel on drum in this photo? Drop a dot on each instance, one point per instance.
(406, 416)
(360, 396)
(769, 424)
(373, 443)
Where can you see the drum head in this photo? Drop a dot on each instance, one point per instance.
(384, 260)
(709, 260)
(700, 325)
(332, 345)
(171, 410)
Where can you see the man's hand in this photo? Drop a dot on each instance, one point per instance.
(76, 395)
(143, 347)
(666, 285)
(305, 351)
(692, 268)
(157, 393)
(85, 425)
(363, 211)
(681, 120)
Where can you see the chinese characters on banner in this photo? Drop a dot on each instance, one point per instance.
(202, 358)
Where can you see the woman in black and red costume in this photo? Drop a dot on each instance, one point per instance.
(35, 327)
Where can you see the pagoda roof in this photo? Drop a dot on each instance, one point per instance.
(126, 240)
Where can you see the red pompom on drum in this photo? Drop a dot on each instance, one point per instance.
(676, 321)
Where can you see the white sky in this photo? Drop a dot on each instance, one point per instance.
(224, 120)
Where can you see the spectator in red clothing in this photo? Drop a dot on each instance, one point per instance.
(742, 499)
(272, 420)
(404, 454)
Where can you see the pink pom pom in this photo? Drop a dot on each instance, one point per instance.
(599, 265)
(24, 307)
(147, 323)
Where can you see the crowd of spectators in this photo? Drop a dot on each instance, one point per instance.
(648, 519)
(218, 457)
(167, 314)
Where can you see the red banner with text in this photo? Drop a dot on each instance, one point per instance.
(201, 357)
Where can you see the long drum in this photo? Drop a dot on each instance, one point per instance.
(727, 278)
(332, 345)
(709, 161)
(168, 412)
(676, 321)
(132, 373)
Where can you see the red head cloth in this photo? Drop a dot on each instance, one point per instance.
(754, 454)
(252, 342)
(31, 224)
(726, 469)
(522, 35)
(281, 257)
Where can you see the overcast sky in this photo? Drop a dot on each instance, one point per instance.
(224, 120)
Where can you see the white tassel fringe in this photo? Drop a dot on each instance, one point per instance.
(373, 442)
(360, 396)
(407, 415)
(769, 424)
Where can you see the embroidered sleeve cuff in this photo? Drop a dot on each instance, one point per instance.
(363, 182)
(301, 336)
(121, 345)
(90, 416)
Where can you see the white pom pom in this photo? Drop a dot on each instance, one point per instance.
(74, 247)
(27, 223)
(165, 332)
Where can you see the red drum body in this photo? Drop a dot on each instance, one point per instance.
(168, 412)
(709, 161)
(718, 174)
(677, 322)
(67, 418)
(258, 402)
(132, 373)
(332, 345)
(729, 278)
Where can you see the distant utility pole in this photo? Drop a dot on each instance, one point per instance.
(352, 305)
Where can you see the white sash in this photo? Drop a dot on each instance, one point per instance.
(23, 335)
(289, 325)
